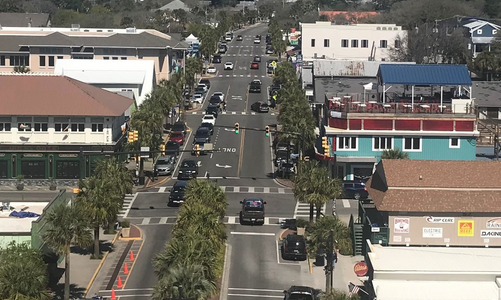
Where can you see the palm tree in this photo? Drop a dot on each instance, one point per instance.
(394, 154)
(100, 201)
(339, 295)
(23, 273)
(184, 282)
(313, 185)
(111, 169)
(66, 227)
(209, 193)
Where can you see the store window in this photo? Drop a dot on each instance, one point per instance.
(68, 170)
(33, 169)
(4, 168)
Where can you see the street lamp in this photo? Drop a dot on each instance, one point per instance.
(329, 269)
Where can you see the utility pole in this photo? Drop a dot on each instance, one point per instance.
(329, 269)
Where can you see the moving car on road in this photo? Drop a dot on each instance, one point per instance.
(254, 66)
(301, 293)
(211, 70)
(260, 106)
(188, 169)
(202, 135)
(178, 127)
(172, 148)
(294, 247)
(355, 190)
(257, 59)
(255, 86)
(240, 38)
(257, 39)
(212, 110)
(228, 65)
(177, 137)
(176, 196)
(209, 126)
(164, 165)
(252, 211)
(209, 119)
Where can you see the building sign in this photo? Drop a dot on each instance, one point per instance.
(33, 155)
(432, 232)
(29, 148)
(431, 219)
(361, 269)
(490, 233)
(493, 223)
(466, 228)
(68, 155)
(401, 225)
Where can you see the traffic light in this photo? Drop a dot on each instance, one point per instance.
(130, 137)
(136, 135)
(325, 145)
(197, 149)
(267, 130)
(237, 128)
(162, 149)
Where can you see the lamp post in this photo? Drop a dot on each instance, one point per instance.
(329, 269)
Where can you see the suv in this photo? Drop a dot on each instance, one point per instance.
(301, 293)
(255, 86)
(202, 135)
(294, 247)
(176, 196)
(188, 169)
(252, 211)
(212, 110)
(179, 127)
(164, 165)
(355, 190)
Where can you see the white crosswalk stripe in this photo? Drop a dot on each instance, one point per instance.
(229, 220)
(129, 198)
(242, 189)
(302, 210)
(232, 113)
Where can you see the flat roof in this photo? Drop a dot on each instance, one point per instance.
(428, 75)
(20, 225)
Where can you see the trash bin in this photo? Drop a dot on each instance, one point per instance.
(320, 258)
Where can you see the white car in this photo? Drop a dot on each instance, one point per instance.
(228, 66)
(209, 119)
(257, 41)
(201, 85)
(221, 95)
(211, 70)
(198, 98)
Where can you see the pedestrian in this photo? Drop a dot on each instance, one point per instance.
(224, 105)
(334, 207)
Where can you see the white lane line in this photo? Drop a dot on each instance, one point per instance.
(146, 221)
(162, 189)
(231, 220)
(266, 221)
(256, 290)
(251, 189)
(252, 233)
(163, 220)
(278, 252)
(346, 203)
(253, 296)
(181, 155)
(194, 113)
(233, 112)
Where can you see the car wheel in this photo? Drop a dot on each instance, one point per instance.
(356, 196)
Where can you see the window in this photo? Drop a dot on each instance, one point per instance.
(33, 169)
(382, 143)
(60, 127)
(347, 143)
(41, 123)
(51, 61)
(77, 127)
(51, 50)
(354, 43)
(19, 60)
(106, 58)
(2, 60)
(326, 43)
(364, 43)
(114, 58)
(383, 43)
(97, 127)
(123, 58)
(344, 43)
(454, 143)
(397, 44)
(4, 126)
(67, 170)
(494, 31)
(412, 144)
(60, 57)
(42, 61)
(479, 31)
(312, 43)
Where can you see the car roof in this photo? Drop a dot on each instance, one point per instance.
(181, 183)
(188, 160)
(202, 129)
(228, 62)
(218, 93)
(172, 142)
(209, 116)
(177, 133)
(206, 124)
(296, 288)
(179, 123)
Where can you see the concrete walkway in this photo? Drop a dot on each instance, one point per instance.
(343, 273)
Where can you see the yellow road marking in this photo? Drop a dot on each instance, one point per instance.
(227, 93)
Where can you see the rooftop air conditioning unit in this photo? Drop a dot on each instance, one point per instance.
(75, 27)
(131, 29)
(323, 56)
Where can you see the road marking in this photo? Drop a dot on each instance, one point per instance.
(233, 112)
(127, 290)
(266, 221)
(251, 189)
(236, 189)
(256, 290)
(194, 113)
(243, 113)
(252, 233)
(231, 220)
(162, 189)
(254, 296)
(346, 203)
(146, 221)
(163, 220)
(130, 205)
(281, 190)
(266, 190)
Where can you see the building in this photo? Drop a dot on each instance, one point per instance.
(419, 121)
(40, 48)
(47, 122)
(487, 95)
(136, 76)
(421, 273)
(24, 20)
(15, 229)
(324, 40)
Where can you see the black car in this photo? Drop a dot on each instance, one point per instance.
(212, 110)
(215, 100)
(216, 59)
(301, 293)
(252, 211)
(172, 148)
(188, 169)
(202, 135)
(257, 59)
(176, 196)
(260, 107)
(240, 38)
(294, 247)
(355, 190)
(209, 126)
(222, 50)
(205, 81)
(200, 90)
(179, 127)
(274, 89)
(255, 86)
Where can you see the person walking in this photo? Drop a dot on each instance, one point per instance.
(224, 105)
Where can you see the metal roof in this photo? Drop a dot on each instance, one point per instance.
(424, 74)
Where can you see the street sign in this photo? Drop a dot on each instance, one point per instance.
(299, 58)
(273, 64)
(145, 152)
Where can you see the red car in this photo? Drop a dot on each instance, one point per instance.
(255, 65)
(177, 137)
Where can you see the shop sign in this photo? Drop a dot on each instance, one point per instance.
(68, 155)
(432, 232)
(361, 269)
(493, 223)
(431, 219)
(401, 225)
(33, 155)
(490, 233)
(2, 154)
(466, 228)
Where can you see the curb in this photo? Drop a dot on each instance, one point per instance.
(224, 288)
(133, 238)
(281, 184)
(310, 264)
(148, 181)
(99, 267)
(135, 260)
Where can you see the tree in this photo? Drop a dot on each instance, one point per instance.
(314, 186)
(184, 282)
(23, 273)
(208, 193)
(319, 231)
(126, 22)
(66, 227)
(180, 15)
(64, 18)
(11, 6)
(394, 154)
(193, 66)
(21, 69)
(339, 295)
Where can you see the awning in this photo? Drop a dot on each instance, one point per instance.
(482, 40)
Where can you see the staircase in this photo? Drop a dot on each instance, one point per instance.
(357, 236)
(490, 131)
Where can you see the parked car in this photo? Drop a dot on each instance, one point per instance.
(211, 70)
(202, 135)
(200, 90)
(178, 127)
(203, 86)
(188, 169)
(209, 119)
(294, 247)
(222, 50)
(198, 98)
(228, 65)
(212, 110)
(252, 211)
(240, 38)
(355, 190)
(301, 293)
(176, 196)
(172, 148)
(255, 66)
(270, 50)
(209, 126)
(177, 137)
(205, 81)
(164, 165)
(260, 106)
(216, 59)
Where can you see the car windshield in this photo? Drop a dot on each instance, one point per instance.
(172, 144)
(178, 127)
(206, 125)
(188, 164)
(209, 117)
(178, 189)
(162, 162)
(300, 297)
(254, 205)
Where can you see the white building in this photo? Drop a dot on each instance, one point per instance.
(137, 76)
(428, 273)
(324, 40)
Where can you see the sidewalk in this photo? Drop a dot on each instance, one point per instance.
(343, 273)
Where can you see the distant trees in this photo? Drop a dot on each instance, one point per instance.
(394, 154)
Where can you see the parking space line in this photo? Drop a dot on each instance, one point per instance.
(346, 203)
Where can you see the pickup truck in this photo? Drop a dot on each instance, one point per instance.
(203, 148)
